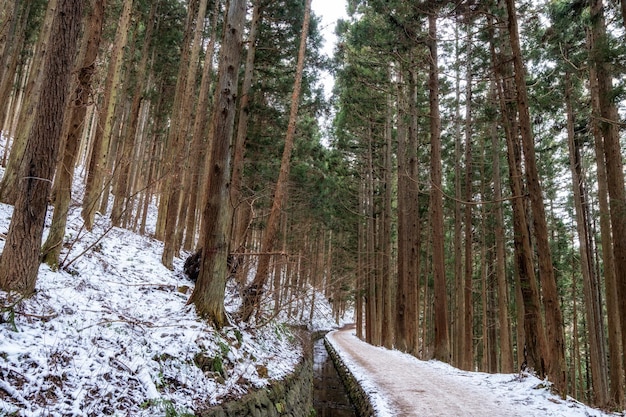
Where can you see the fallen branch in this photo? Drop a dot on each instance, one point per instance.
(38, 316)
(122, 320)
(13, 393)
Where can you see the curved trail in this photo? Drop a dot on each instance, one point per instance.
(413, 388)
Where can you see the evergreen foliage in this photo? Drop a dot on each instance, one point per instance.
(357, 222)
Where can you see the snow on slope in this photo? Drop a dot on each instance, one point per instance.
(113, 334)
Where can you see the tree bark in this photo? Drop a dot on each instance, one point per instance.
(554, 318)
(13, 29)
(459, 294)
(8, 185)
(609, 156)
(177, 135)
(593, 310)
(404, 203)
(506, 349)
(19, 264)
(372, 334)
(533, 349)
(242, 130)
(413, 196)
(78, 110)
(385, 235)
(121, 185)
(253, 294)
(201, 139)
(468, 335)
(187, 114)
(442, 337)
(100, 144)
(616, 376)
(208, 295)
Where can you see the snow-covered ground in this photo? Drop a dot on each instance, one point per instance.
(399, 384)
(112, 334)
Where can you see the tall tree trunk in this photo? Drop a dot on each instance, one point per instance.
(414, 216)
(155, 152)
(468, 336)
(208, 295)
(121, 185)
(141, 155)
(575, 344)
(402, 291)
(385, 236)
(592, 307)
(187, 114)
(199, 135)
(16, 100)
(608, 263)
(372, 318)
(254, 292)
(484, 295)
(427, 309)
(442, 337)
(242, 130)
(100, 145)
(8, 185)
(554, 318)
(78, 110)
(120, 116)
(406, 305)
(609, 156)
(177, 136)
(506, 349)
(459, 310)
(19, 263)
(7, 22)
(359, 288)
(12, 39)
(534, 346)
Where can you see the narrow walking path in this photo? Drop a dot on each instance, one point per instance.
(401, 385)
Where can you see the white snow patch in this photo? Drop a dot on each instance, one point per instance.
(111, 333)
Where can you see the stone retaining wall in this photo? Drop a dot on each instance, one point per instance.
(290, 397)
(357, 395)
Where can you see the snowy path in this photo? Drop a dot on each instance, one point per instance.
(401, 385)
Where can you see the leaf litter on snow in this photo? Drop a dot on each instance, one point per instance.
(112, 334)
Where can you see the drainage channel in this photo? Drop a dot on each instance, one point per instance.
(330, 398)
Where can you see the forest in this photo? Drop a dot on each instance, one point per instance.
(465, 198)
